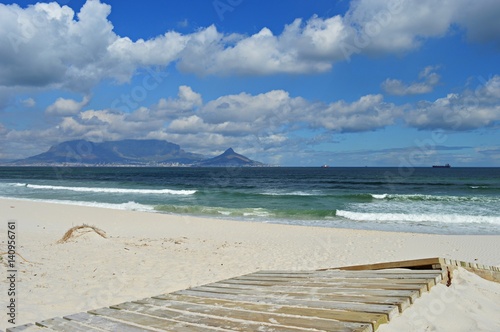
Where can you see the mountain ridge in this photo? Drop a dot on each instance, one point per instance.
(131, 152)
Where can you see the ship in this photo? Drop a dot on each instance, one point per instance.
(441, 166)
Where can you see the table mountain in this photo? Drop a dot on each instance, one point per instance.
(131, 152)
(127, 152)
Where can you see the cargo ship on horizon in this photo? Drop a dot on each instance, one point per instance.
(441, 166)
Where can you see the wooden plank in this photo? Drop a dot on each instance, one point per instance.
(354, 292)
(389, 310)
(338, 271)
(347, 273)
(271, 317)
(27, 328)
(381, 285)
(333, 281)
(104, 323)
(345, 277)
(374, 319)
(384, 274)
(415, 263)
(333, 278)
(64, 325)
(159, 310)
(402, 302)
(148, 321)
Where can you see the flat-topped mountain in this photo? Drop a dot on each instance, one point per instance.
(229, 159)
(132, 152)
(128, 152)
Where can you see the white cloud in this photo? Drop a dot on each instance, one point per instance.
(468, 110)
(275, 113)
(301, 48)
(251, 122)
(28, 102)
(429, 79)
(368, 113)
(396, 26)
(269, 121)
(45, 45)
(187, 102)
(66, 107)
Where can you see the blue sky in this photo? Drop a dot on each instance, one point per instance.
(298, 83)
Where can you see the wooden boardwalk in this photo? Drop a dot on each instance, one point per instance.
(356, 299)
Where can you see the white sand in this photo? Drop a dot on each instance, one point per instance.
(148, 254)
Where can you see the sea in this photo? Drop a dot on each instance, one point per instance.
(420, 200)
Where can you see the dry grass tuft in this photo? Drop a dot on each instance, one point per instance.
(78, 231)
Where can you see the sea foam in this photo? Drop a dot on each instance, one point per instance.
(109, 190)
(401, 217)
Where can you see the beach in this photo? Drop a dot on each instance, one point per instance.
(147, 254)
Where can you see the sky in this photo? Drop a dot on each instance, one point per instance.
(398, 83)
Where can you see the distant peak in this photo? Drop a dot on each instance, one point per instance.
(230, 150)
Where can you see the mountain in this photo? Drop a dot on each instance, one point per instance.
(132, 152)
(126, 152)
(229, 159)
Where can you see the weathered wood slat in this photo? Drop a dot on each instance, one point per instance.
(361, 317)
(426, 263)
(271, 317)
(28, 328)
(491, 273)
(148, 321)
(159, 310)
(422, 287)
(389, 310)
(345, 281)
(346, 305)
(413, 295)
(104, 323)
(402, 302)
(64, 325)
(379, 274)
(341, 271)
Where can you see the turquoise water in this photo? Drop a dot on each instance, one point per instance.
(445, 201)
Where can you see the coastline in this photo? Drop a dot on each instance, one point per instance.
(148, 254)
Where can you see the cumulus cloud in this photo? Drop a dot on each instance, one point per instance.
(66, 107)
(28, 102)
(276, 113)
(242, 114)
(45, 45)
(186, 102)
(301, 48)
(48, 45)
(468, 110)
(267, 121)
(251, 122)
(429, 79)
(368, 113)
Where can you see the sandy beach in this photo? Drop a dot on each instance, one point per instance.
(147, 254)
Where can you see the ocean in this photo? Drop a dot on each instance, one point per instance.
(423, 200)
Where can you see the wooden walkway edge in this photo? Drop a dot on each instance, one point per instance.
(491, 273)
(354, 298)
